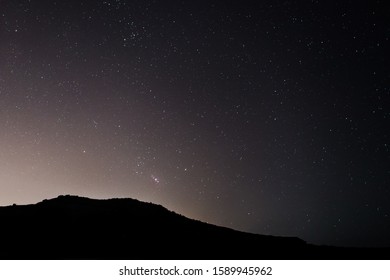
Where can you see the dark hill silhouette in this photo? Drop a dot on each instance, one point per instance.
(71, 227)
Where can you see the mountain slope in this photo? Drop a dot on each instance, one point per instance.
(70, 227)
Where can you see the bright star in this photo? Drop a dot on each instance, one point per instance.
(155, 179)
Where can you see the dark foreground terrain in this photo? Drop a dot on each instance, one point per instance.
(70, 227)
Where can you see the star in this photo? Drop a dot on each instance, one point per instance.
(155, 179)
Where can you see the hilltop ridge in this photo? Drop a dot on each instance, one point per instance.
(72, 227)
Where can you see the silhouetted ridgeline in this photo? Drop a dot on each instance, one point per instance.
(70, 227)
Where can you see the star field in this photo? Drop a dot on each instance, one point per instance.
(265, 116)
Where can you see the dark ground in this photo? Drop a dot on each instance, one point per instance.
(70, 227)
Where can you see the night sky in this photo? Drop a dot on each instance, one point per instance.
(271, 117)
